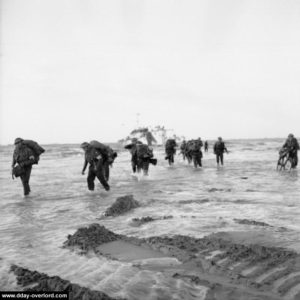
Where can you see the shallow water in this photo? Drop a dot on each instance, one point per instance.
(202, 201)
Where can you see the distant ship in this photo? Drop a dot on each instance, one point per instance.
(152, 135)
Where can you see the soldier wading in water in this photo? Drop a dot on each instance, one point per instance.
(26, 154)
(100, 157)
(219, 149)
(98, 165)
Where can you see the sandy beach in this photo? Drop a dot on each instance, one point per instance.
(200, 96)
(219, 266)
(223, 234)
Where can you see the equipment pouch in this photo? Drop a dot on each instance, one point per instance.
(18, 171)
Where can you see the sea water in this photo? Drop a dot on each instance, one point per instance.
(201, 201)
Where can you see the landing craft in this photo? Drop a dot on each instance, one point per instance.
(157, 135)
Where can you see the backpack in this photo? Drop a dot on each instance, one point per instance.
(101, 147)
(171, 143)
(194, 146)
(105, 150)
(143, 151)
(36, 148)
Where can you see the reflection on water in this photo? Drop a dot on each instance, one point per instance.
(33, 229)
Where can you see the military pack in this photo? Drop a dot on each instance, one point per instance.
(36, 149)
(143, 150)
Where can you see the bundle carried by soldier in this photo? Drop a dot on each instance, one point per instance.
(107, 152)
(192, 151)
(99, 157)
(144, 152)
(170, 146)
(26, 153)
(193, 147)
(170, 150)
(141, 156)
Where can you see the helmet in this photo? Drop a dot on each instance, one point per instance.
(219, 138)
(84, 145)
(18, 140)
(290, 135)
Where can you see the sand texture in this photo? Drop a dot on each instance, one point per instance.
(230, 270)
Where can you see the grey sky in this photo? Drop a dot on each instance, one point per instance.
(81, 70)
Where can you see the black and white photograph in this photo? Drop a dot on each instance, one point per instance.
(149, 149)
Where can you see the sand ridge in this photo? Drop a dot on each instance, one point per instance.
(230, 270)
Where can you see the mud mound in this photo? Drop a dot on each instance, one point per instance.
(143, 220)
(235, 271)
(251, 222)
(44, 283)
(88, 238)
(122, 205)
(190, 245)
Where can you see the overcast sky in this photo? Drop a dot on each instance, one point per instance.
(75, 70)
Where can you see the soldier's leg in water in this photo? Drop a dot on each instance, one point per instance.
(133, 165)
(25, 179)
(91, 178)
(139, 165)
(189, 157)
(199, 160)
(106, 170)
(221, 158)
(195, 160)
(145, 167)
(294, 159)
(217, 158)
(100, 175)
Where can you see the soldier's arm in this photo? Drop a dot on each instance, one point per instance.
(225, 149)
(14, 159)
(285, 145)
(84, 166)
(13, 162)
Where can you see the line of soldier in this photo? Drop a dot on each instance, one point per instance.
(100, 157)
(191, 150)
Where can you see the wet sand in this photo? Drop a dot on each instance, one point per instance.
(227, 267)
(40, 282)
(256, 214)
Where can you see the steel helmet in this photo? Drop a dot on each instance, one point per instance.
(18, 140)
